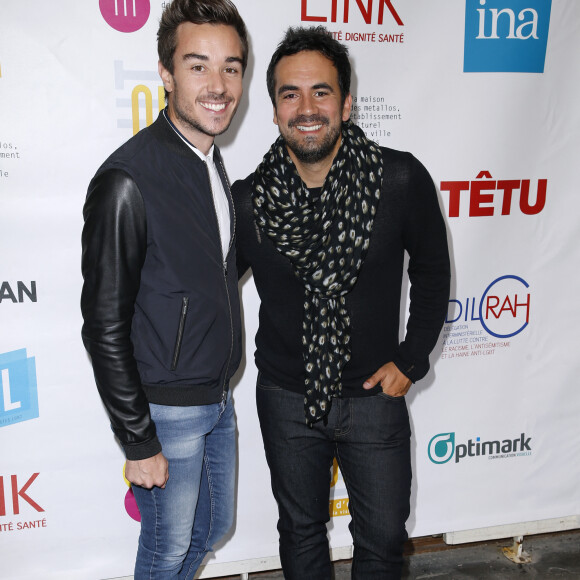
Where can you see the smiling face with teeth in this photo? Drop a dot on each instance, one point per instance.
(309, 110)
(205, 87)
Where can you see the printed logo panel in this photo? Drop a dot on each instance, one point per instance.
(125, 15)
(18, 502)
(335, 11)
(443, 447)
(18, 388)
(140, 97)
(506, 35)
(18, 292)
(485, 196)
(362, 15)
(130, 502)
(479, 326)
(338, 502)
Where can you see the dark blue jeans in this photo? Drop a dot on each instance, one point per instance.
(370, 437)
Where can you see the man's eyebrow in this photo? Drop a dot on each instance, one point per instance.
(235, 59)
(195, 56)
(323, 86)
(284, 88)
(205, 57)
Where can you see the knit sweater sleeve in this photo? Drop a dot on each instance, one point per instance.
(425, 240)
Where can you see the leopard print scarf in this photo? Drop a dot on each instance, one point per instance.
(326, 239)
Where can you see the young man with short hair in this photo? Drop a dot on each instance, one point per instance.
(160, 299)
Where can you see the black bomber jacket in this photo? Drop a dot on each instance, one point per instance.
(160, 300)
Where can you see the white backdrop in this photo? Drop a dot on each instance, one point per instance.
(488, 101)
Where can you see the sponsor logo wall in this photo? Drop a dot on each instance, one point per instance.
(483, 92)
(125, 15)
(506, 36)
(443, 448)
(19, 390)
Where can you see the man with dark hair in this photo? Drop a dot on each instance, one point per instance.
(324, 223)
(160, 299)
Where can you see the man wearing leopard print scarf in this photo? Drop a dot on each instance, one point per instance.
(324, 223)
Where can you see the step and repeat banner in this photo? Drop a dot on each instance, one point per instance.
(485, 93)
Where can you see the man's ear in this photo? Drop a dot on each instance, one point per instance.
(275, 116)
(166, 77)
(347, 107)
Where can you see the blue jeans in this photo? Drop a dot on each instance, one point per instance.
(181, 523)
(370, 437)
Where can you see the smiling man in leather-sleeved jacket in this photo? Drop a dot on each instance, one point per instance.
(160, 300)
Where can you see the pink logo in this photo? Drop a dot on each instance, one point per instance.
(125, 15)
(131, 505)
(130, 502)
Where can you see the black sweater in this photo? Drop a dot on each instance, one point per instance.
(408, 218)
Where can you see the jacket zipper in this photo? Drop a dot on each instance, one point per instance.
(225, 263)
(180, 329)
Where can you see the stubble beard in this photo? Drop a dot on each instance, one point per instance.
(193, 123)
(310, 151)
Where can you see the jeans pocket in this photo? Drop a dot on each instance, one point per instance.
(391, 398)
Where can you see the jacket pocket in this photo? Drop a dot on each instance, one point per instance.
(180, 329)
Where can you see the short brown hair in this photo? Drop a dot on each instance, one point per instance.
(197, 12)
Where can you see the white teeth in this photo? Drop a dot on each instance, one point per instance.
(313, 128)
(215, 106)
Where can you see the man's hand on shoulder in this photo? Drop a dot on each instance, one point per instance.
(393, 382)
(149, 472)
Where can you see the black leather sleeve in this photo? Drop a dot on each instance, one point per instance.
(114, 243)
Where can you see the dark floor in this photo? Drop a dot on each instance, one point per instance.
(553, 556)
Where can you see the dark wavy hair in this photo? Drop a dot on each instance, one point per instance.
(197, 12)
(319, 39)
